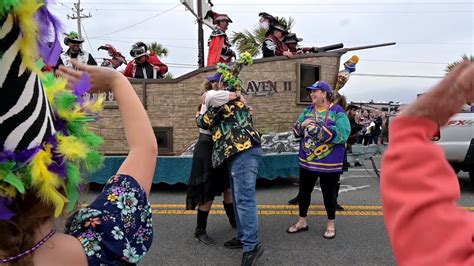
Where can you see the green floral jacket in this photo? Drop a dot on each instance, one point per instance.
(232, 130)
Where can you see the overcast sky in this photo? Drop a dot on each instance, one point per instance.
(429, 34)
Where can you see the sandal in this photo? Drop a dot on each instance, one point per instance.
(330, 234)
(293, 229)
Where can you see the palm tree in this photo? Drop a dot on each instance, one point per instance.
(251, 41)
(452, 65)
(158, 49)
(168, 75)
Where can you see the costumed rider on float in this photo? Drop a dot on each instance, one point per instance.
(291, 40)
(145, 64)
(117, 58)
(273, 44)
(219, 44)
(75, 51)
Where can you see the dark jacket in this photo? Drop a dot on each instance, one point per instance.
(232, 130)
(273, 47)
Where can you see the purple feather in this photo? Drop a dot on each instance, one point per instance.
(6, 156)
(83, 85)
(5, 213)
(48, 23)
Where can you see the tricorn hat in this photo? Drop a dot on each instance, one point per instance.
(216, 17)
(271, 18)
(291, 38)
(72, 37)
(279, 27)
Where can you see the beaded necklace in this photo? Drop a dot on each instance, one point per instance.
(31, 250)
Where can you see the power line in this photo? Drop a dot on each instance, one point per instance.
(410, 62)
(350, 4)
(88, 41)
(396, 76)
(355, 12)
(295, 4)
(131, 42)
(298, 12)
(152, 17)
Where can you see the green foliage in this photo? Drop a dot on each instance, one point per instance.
(168, 75)
(452, 65)
(159, 49)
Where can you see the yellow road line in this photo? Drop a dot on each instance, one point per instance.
(275, 209)
(270, 206)
(266, 212)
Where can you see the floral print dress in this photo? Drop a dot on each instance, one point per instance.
(116, 229)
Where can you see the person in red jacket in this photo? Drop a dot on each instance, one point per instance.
(419, 188)
(145, 64)
(219, 44)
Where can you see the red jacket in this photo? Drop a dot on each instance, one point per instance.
(419, 193)
(152, 59)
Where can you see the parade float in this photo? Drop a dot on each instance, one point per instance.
(275, 88)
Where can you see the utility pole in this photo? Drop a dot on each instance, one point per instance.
(78, 10)
(200, 35)
(199, 17)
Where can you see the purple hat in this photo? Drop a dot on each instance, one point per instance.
(321, 85)
(216, 77)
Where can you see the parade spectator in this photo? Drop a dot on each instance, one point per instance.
(419, 188)
(238, 142)
(355, 127)
(376, 127)
(206, 182)
(364, 134)
(145, 65)
(47, 143)
(219, 45)
(73, 41)
(273, 44)
(323, 128)
(384, 132)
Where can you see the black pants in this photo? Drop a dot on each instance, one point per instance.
(328, 183)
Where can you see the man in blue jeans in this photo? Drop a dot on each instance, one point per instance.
(236, 140)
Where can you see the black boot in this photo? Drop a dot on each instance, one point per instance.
(203, 237)
(234, 243)
(200, 234)
(295, 200)
(229, 210)
(250, 258)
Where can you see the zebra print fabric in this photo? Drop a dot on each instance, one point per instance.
(26, 119)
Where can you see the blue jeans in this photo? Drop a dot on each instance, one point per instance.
(243, 171)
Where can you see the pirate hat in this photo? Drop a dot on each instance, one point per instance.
(72, 37)
(45, 140)
(139, 49)
(216, 17)
(279, 27)
(291, 38)
(265, 15)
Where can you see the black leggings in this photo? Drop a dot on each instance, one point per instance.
(328, 183)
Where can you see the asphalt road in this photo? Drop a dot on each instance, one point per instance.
(361, 238)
